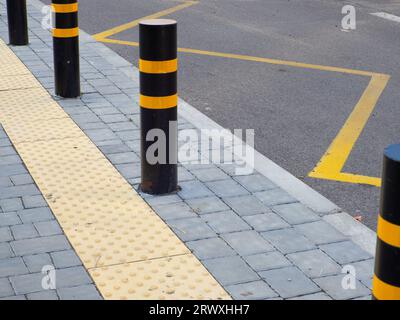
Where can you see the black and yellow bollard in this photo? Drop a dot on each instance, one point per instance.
(158, 105)
(386, 283)
(17, 22)
(66, 48)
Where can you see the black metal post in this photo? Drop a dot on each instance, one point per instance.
(158, 101)
(386, 283)
(17, 22)
(66, 48)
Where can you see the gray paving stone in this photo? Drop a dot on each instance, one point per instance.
(100, 134)
(266, 222)
(6, 151)
(210, 248)
(121, 158)
(295, 213)
(255, 182)
(5, 288)
(332, 285)
(65, 259)
(27, 283)
(123, 126)
(5, 182)
(365, 271)
(40, 245)
(5, 234)
(24, 231)
(314, 296)
(35, 215)
(314, 263)
(48, 228)
(36, 262)
(34, 201)
(43, 295)
(113, 118)
(174, 211)
(210, 174)
(184, 174)
(11, 205)
(246, 205)
(225, 221)
(129, 170)
(163, 199)
(289, 282)
(12, 266)
(345, 252)
(227, 188)
(72, 277)
(247, 243)
(288, 240)
(267, 261)
(5, 250)
(230, 270)
(19, 191)
(9, 219)
(12, 159)
(320, 232)
(257, 290)
(21, 179)
(6, 171)
(86, 292)
(193, 189)
(191, 229)
(274, 197)
(117, 148)
(207, 205)
(19, 297)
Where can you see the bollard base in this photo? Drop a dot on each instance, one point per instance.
(146, 188)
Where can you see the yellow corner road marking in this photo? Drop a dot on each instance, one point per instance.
(129, 251)
(331, 164)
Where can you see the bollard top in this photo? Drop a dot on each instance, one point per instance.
(392, 152)
(157, 22)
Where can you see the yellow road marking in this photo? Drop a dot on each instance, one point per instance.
(121, 241)
(333, 161)
(108, 33)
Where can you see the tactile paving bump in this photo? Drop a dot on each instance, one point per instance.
(179, 277)
(25, 81)
(10, 64)
(28, 105)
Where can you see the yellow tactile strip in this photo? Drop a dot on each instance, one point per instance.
(129, 251)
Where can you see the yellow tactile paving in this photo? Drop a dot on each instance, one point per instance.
(161, 279)
(130, 252)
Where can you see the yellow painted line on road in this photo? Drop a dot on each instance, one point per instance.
(127, 249)
(333, 161)
(108, 33)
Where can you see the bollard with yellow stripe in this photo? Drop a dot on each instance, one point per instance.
(66, 48)
(158, 68)
(386, 283)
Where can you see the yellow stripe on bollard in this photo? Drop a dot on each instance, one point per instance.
(388, 232)
(384, 291)
(167, 66)
(66, 33)
(158, 102)
(65, 8)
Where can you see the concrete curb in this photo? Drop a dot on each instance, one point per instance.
(342, 221)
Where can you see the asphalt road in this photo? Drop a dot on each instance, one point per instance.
(296, 112)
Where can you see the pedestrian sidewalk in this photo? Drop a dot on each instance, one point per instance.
(69, 169)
